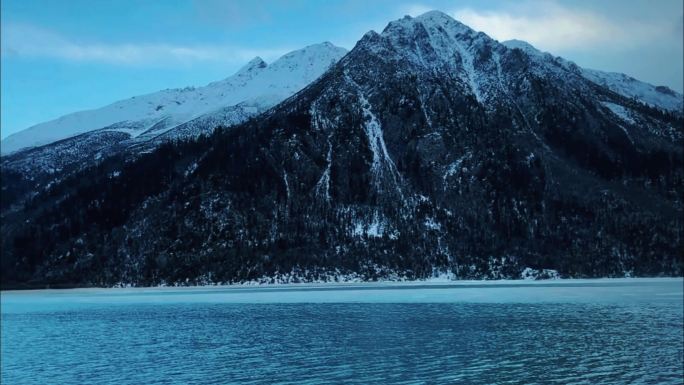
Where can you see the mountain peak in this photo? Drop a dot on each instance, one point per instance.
(325, 47)
(430, 19)
(254, 64)
(523, 45)
(435, 15)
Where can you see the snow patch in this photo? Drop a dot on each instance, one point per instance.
(324, 182)
(622, 112)
(376, 139)
(534, 274)
(376, 228)
(431, 224)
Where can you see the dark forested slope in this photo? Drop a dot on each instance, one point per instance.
(428, 149)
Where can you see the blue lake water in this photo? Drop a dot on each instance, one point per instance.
(583, 332)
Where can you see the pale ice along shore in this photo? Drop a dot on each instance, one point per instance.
(608, 290)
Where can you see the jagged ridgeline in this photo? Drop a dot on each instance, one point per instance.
(428, 149)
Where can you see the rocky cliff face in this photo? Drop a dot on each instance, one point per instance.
(428, 149)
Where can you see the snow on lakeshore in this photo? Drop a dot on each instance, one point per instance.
(601, 291)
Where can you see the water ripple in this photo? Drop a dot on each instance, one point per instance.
(363, 343)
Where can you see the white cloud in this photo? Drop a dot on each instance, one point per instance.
(553, 27)
(31, 41)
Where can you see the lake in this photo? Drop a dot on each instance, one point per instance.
(613, 331)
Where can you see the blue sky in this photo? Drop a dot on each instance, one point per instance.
(63, 56)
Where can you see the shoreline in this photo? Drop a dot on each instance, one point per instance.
(326, 286)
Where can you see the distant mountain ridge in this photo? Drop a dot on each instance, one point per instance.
(148, 115)
(655, 96)
(259, 85)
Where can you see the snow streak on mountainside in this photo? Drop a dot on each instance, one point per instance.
(154, 114)
(656, 96)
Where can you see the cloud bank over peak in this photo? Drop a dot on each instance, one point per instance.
(554, 27)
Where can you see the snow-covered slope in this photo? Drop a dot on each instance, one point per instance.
(156, 113)
(656, 96)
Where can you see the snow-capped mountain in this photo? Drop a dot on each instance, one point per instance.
(428, 149)
(153, 114)
(656, 96)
